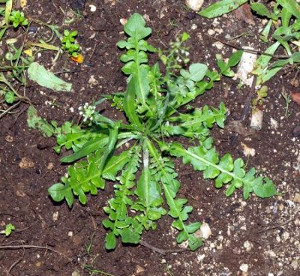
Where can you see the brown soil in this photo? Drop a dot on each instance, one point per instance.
(264, 234)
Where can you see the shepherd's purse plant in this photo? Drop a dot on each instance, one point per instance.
(138, 155)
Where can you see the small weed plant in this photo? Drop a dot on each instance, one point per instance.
(9, 228)
(138, 156)
(69, 44)
(18, 19)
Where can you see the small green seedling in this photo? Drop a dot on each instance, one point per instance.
(262, 93)
(9, 228)
(137, 154)
(18, 19)
(69, 44)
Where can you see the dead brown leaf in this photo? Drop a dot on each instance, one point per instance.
(296, 98)
(244, 13)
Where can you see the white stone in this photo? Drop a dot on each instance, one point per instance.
(70, 234)
(285, 236)
(184, 244)
(219, 45)
(257, 119)
(297, 198)
(205, 230)
(272, 254)
(211, 32)
(246, 66)
(274, 123)
(55, 216)
(247, 150)
(123, 21)
(200, 257)
(92, 8)
(248, 245)
(244, 267)
(194, 5)
(294, 264)
(92, 80)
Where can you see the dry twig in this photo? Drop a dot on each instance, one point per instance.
(30, 246)
(162, 251)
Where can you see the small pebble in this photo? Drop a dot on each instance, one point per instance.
(272, 254)
(146, 17)
(55, 216)
(297, 198)
(9, 139)
(248, 245)
(200, 257)
(274, 123)
(211, 32)
(26, 163)
(50, 166)
(219, 45)
(294, 264)
(244, 267)
(123, 21)
(139, 269)
(285, 236)
(76, 273)
(204, 231)
(296, 131)
(92, 8)
(194, 5)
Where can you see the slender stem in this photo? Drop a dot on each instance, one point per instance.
(30, 246)
(9, 109)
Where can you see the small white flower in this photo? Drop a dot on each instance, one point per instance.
(88, 112)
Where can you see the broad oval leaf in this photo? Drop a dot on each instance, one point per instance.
(221, 7)
(197, 71)
(135, 27)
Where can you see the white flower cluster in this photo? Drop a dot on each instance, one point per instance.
(87, 111)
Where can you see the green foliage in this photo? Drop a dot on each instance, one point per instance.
(18, 19)
(259, 99)
(221, 7)
(177, 56)
(226, 66)
(69, 44)
(136, 155)
(9, 228)
(36, 122)
(19, 57)
(285, 16)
